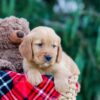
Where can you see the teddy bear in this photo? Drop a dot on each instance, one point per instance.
(12, 32)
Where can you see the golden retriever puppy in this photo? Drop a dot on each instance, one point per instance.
(42, 53)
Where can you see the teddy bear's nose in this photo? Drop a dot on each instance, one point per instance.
(20, 34)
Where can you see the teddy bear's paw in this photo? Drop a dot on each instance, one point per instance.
(6, 65)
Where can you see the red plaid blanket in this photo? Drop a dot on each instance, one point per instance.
(14, 86)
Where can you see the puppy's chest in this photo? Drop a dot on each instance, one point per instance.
(46, 73)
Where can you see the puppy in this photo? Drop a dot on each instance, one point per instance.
(42, 53)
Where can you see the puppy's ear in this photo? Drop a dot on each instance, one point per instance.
(25, 48)
(59, 54)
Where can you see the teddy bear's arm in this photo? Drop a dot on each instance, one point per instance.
(6, 65)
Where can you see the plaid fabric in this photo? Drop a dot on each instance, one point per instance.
(14, 86)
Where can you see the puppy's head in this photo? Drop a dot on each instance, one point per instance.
(42, 47)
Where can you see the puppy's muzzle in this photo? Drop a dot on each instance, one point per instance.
(47, 58)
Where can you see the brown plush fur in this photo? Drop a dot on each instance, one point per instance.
(6, 65)
(9, 40)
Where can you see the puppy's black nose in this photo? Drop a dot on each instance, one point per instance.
(48, 57)
(20, 34)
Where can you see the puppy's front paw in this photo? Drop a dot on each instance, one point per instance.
(34, 78)
(61, 84)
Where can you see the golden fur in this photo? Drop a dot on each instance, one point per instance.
(43, 41)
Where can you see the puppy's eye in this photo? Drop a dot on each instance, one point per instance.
(54, 46)
(40, 44)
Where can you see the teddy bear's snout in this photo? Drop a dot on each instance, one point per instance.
(20, 34)
(16, 36)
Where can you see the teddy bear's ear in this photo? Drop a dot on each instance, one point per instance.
(0, 20)
(25, 48)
